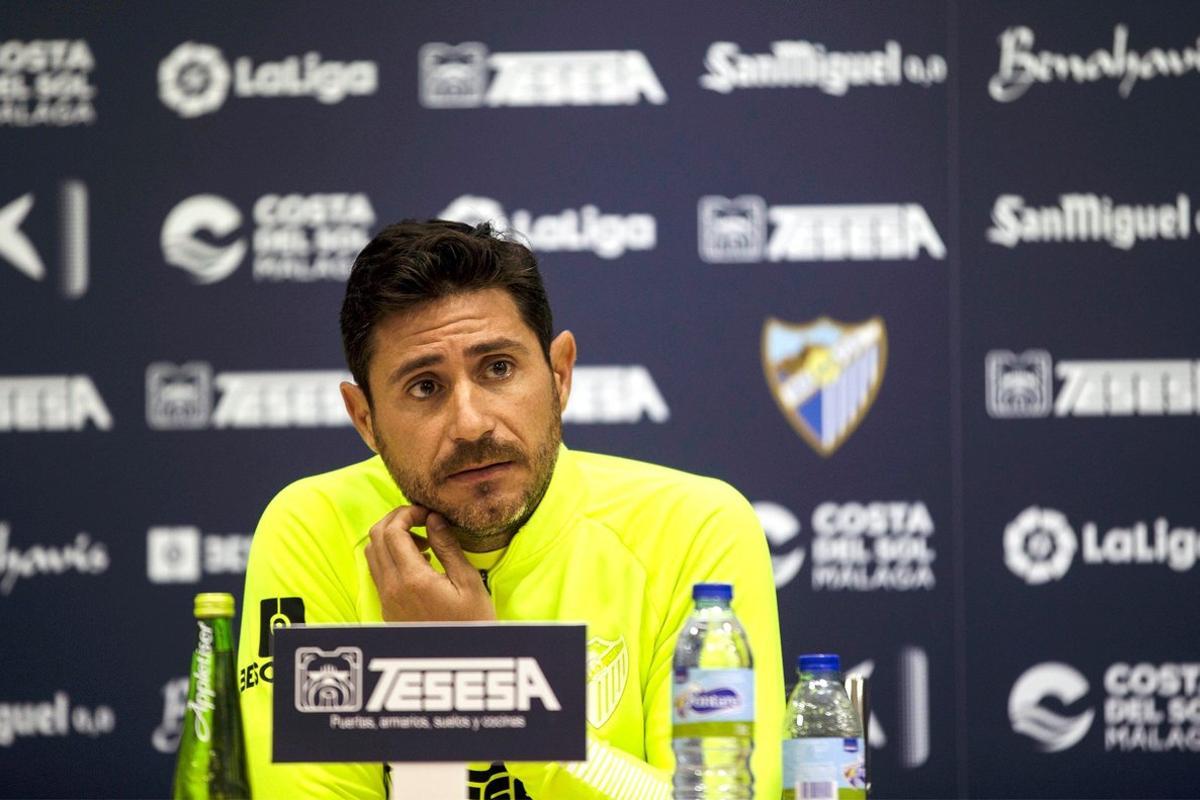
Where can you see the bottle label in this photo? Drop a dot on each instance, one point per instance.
(825, 768)
(201, 701)
(713, 702)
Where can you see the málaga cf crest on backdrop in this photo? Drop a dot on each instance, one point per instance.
(824, 375)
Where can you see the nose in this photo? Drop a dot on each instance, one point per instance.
(470, 416)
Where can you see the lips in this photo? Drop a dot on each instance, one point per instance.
(481, 473)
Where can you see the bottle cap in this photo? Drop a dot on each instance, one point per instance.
(712, 591)
(819, 662)
(214, 604)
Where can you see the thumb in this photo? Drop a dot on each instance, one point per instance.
(449, 552)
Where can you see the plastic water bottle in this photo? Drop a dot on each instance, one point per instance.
(713, 701)
(823, 757)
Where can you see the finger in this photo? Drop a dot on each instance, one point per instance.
(397, 537)
(422, 543)
(407, 517)
(401, 515)
(449, 552)
(382, 574)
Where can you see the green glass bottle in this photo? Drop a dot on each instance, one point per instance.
(212, 754)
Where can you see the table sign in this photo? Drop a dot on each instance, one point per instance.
(442, 694)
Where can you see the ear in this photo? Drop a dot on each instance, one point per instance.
(562, 364)
(360, 413)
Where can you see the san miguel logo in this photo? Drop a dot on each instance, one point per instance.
(824, 375)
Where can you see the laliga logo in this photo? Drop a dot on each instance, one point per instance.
(471, 209)
(182, 247)
(1052, 732)
(569, 230)
(194, 79)
(1039, 545)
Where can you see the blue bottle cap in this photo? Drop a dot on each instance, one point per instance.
(819, 662)
(712, 591)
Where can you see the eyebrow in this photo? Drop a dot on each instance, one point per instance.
(475, 350)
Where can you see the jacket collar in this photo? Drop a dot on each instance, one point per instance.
(564, 497)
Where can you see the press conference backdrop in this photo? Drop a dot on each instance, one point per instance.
(919, 278)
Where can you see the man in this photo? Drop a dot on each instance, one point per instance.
(473, 509)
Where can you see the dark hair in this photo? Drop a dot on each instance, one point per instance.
(413, 262)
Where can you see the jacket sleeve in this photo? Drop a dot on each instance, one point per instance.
(728, 547)
(297, 572)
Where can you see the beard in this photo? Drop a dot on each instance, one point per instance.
(488, 521)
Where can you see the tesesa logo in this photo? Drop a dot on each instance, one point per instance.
(735, 231)
(332, 681)
(458, 76)
(30, 403)
(328, 681)
(180, 397)
(1021, 386)
(615, 395)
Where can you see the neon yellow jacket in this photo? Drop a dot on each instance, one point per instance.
(615, 543)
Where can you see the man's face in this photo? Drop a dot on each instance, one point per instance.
(465, 412)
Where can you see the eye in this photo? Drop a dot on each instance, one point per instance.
(423, 388)
(500, 368)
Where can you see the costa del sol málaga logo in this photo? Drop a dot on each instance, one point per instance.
(194, 79)
(824, 375)
(1039, 545)
(183, 248)
(1051, 731)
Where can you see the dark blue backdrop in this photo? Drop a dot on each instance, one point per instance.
(984, 498)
